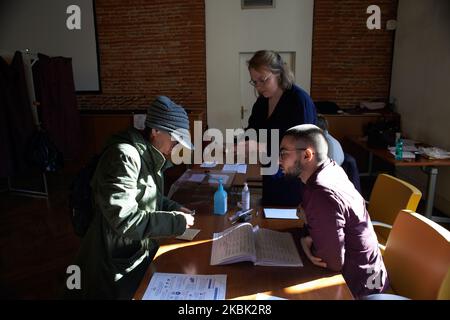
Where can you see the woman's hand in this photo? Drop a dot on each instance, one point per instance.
(306, 245)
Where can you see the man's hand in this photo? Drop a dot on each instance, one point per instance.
(306, 245)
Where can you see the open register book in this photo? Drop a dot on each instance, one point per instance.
(263, 247)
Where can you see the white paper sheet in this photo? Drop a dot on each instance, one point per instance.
(189, 234)
(207, 164)
(405, 149)
(280, 213)
(405, 155)
(214, 178)
(196, 177)
(238, 167)
(176, 286)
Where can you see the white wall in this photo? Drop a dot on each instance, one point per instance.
(421, 82)
(231, 30)
(41, 27)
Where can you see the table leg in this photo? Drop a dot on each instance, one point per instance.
(431, 189)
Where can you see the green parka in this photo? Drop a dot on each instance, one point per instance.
(131, 214)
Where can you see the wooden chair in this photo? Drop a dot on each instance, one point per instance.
(444, 291)
(390, 195)
(417, 257)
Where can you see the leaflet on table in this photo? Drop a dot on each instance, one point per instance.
(177, 286)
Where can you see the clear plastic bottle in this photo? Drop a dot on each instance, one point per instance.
(220, 200)
(398, 147)
(245, 201)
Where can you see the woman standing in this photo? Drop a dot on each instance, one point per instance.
(281, 105)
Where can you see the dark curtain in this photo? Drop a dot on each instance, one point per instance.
(58, 110)
(16, 118)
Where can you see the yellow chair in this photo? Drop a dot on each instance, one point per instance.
(444, 291)
(417, 257)
(390, 195)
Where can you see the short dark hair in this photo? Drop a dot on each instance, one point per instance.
(313, 137)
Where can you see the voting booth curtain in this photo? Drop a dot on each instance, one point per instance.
(57, 114)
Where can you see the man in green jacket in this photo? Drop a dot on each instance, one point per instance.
(131, 212)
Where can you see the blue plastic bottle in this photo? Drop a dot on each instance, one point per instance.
(398, 147)
(220, 200)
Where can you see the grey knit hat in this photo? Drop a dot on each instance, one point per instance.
(164, 114)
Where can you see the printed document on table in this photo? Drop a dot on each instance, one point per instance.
(196, 177)
(238, 167)
(214, 178)
(280, 213)
(177, 286)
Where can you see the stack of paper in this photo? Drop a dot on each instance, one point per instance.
(405, 155)
(435, 153)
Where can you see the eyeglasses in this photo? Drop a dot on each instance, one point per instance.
(284, 152)
(261, 82)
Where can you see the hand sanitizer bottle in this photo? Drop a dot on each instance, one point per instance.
(245, 201)
(398, 147)
(220, 200)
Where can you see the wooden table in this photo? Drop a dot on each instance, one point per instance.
(244, 280)
(429, 166)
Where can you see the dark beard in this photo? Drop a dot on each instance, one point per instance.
(294, 172)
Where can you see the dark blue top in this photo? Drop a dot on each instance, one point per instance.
(294, 107)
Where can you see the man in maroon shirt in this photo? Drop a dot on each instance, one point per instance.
(339, 234)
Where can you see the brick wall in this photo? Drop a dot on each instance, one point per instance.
(351, 63)
(158, 47)
(149, 48)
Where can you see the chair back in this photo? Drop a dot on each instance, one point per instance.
(417, 256)
(444, 291)
(390, 195)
